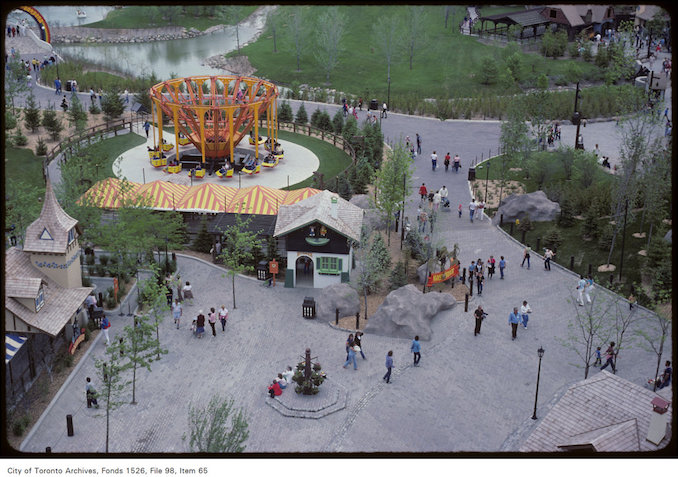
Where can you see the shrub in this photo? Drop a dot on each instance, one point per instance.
(94, 109)
(20, 425)
(605, 237)
(41, 147)
(19, 139)
(103, 260)
(10, 120)
(285, 113)
(302, 116)
(553, 239)
(398, 276)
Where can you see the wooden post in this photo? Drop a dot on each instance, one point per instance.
(466, 303)
(69, 424)
(463, 276)
(357, 320)
(571, 262)
(470, 283)
(336, 319)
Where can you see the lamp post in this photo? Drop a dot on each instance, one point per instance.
(487, 176)
(540, 353)
(402, 218)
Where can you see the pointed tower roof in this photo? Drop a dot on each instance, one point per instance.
(50, 232)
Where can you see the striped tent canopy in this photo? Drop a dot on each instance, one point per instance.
(257, 200)
(109, 193)
(162, 195)
(12, 344)
(207, 198)
(295, 196)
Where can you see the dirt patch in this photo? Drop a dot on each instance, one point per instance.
(68, 131)
(607, 268)
(493, 190)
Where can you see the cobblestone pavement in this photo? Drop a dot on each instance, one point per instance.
(469, 394)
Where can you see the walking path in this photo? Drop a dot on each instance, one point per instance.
(469, 394)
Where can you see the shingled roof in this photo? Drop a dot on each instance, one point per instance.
(21, 279)
(348, 220)
(605, 412)
(49, 233)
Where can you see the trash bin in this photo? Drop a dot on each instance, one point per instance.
(471, 173)
(374, 104)
(69, 85)
(308, 307)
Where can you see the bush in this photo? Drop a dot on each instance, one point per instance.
(20, 425)
(10, 120)
(302, 116)
(41, 148)
(285, 113)
(19, 139)
(553, 239)
(398, 276)
(103, 260)
(94, 109)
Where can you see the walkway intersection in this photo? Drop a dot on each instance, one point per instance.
(469, 394)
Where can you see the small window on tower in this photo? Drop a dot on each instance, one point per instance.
(71, 235)
(553, 13)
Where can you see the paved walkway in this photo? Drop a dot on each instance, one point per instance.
(469, 394)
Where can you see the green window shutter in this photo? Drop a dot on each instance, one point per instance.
(317, 263)
(339, 267)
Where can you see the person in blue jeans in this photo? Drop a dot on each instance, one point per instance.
(502, 266)
(351, 357)
(389, 366)
(665, 379)
(609, 356)
(416, 349)
(514, 320)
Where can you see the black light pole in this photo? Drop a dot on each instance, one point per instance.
(487, 176)
(402, 219)
(540, 353)
(576, 119)
(388, 94)
(621, 260)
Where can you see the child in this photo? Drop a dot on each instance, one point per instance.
(460, 210)
(599, 360)
(194, 326)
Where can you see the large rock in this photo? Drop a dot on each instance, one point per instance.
(372, 219)
(338, 296)
(407, 312)
(534, 204)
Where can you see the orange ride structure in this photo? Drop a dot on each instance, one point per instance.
(215, 112)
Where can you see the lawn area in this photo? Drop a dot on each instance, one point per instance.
(23, 165)
(148, 16)
(445, 62)
(589, 252)
(332, 159)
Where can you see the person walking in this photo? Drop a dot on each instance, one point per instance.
(389, 366)
(200, 324)
(444, 192)
(419, 141)
(471, 209)
(599, 360)
(423, 192)
(351, 356)
(384, 110)
(212, 319)
(447, 161)
(349, 343)
(434, 161)
(188, 293)
(147, 127)
(490, 266)
(223, 317)
(666, 375)
(479, 315)
(64, 104)
(588, 288)
(609, 358)
(502, 266)
(548, 255)
(437, 198)
(513, 321)
(105, 325)
(457, 163)
(460, 210)
(91, 394)
(471, 270)
(526, 256)
(525, 310)
(480, 281)
(423, 218)
(581, 284)
(415, 348)
(177, 311)
(357, 340)
(57, 86)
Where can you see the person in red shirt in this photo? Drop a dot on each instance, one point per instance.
(447, 161)
(423, 192)
(274, 389)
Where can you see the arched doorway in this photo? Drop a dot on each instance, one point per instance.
(303, 272)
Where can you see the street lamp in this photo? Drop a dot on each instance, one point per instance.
(540, 353)
(487, 176)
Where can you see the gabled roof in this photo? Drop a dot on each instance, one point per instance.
(572, 13)
(49, 233)
(348, 220)
(60, 303)
(604, 412)
(23, 287)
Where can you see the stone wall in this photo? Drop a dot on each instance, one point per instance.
(121, 35)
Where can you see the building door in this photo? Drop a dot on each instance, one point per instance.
(304, 272)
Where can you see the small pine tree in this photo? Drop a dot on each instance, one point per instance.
(350, 128)
(590, 225)
(112, 105)
(361, 176)
(41, 148)
(19, 139)
(77, 115)
(398, 276)
(302, 116)
(315, 118)
(553, 238)
(338, 122)
(344, 187)
(94, 109)
(525, 224)
(325, 122)
(10, 120)
(53, 124)
(203, 242)
(31, 114)
(285, 113)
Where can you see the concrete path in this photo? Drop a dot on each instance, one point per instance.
(469, 394)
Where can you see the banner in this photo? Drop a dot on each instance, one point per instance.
(445, 275)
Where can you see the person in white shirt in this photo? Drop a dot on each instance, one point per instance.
(524, 310)
(188, 292)
(288, 374)
(480, 208)
(444, 192)
(436, 200)
(223, 317)
(472, 209)
(580, 290)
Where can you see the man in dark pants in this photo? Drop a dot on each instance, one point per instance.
(513, 323)
(480, 316)
(609, 355)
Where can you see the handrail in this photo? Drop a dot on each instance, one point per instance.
(86, 134)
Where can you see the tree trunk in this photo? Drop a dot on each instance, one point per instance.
(659, 361)
(233, 286)
(275, 47)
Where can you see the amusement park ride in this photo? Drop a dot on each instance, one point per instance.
(211, 115)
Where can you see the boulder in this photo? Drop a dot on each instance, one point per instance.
(534, 204)
(361, 200)
(338, 296)
(372, 218)
(407, 312)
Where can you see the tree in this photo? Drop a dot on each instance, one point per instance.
(315, 117)
(514, 141)
(210, 430)
(285, 113)
(297, 24)
(372, 264)
(110, 372)
(22, 205)
(31, 113)
(15, 80)
(203, 241)
(112, 105)
(77, 115)
(393, 180)
(338, 121)
(324, 122)
(588, 326)
(154, 302)
(653, 335)
(330, 30)
(387, 35)
(415, 31)
(361, 175)
(271, 17)
(302, 115)
(350, 128)
(53, 124)
(233, 14)
(237, 250)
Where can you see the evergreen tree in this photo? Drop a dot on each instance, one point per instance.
(41, 147)
(31, 114)
(344, 187)
(350, 129)
(325, 122)
(203, 242)
(52, 123)
(302, 116)
(112, 105)
(315, 117)
(77, 115)
(338, 122)
(285, 113)
(361, 175)
(398, 277)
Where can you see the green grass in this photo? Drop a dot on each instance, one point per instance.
(445, 66)
(115, 146)
(23, 165)
(585, 252)
(332, 160)
(152, 17)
